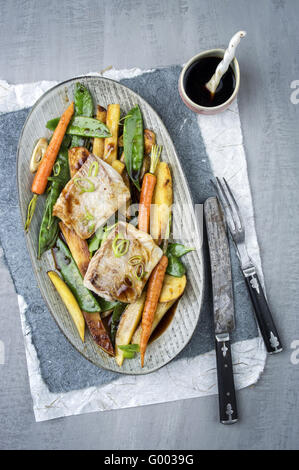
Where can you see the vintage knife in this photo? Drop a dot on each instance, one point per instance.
(223, 304)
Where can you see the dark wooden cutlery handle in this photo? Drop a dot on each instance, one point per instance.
(226, 386)
(263, 314)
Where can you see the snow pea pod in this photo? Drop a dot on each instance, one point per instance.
(133, 144)
(83, 101)
(49, 226)
(72, 276)
(82, 126)
(83, 107)
(107, 304)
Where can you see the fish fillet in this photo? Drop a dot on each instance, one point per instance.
(91, 197)
(123, 278)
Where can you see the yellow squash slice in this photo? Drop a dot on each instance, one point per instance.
(69, 301)
(127, 326)
(172, 288)
(160, 312)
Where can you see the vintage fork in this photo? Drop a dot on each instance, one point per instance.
(237, 229)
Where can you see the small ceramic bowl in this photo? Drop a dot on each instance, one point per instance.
(205, 109)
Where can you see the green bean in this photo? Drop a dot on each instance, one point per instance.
(72, 276)
(49, 226)
(133, 144)
(82, 126)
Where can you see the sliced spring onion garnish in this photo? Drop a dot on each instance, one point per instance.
(110, 227)
(93, 169)
(88, 217)
(120, 245)
(56, 169)
(107, 230)
(90, 228)
(30, 212)
(37, 154)
(128, 280)
(134, 260)
(84, 189)
(122, 248)
(139, 271)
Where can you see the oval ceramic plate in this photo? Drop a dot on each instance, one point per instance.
(179, 332)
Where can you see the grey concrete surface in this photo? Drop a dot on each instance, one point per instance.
(58, 39)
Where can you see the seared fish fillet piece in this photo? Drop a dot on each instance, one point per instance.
(93, 195)
(123, 264)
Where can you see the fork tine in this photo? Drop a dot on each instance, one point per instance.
(236, 206)
(225, 204)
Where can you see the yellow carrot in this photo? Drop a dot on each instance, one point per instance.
(112, 122)
(98, 142)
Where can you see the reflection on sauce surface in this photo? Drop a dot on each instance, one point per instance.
(199, 73)
(161, 328)
(164, 323)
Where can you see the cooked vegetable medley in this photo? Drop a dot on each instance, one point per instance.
(118, 273)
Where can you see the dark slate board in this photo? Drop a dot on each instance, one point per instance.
(62, 367)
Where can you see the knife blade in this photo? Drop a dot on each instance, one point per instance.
(223, 306)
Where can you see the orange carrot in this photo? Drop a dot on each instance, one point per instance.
(147, 190)
(46, 165)
(45, 168)
(152, 298)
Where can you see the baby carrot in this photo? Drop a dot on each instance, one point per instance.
(147, 190)
(46, 165)
(152, 297)
(45, 168)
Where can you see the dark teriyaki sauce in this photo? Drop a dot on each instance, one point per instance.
(199, 73)
(164, 323)
(159, 330)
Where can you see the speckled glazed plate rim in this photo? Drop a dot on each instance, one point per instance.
(35, 269)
